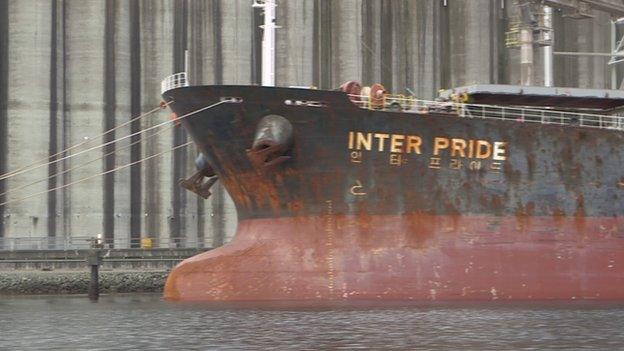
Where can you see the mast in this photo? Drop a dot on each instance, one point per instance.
(268, 41)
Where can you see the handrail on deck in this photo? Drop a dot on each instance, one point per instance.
(520, 114)
(174, 81)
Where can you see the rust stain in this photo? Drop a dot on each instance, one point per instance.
(580, 206)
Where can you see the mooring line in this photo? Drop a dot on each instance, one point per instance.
(12, 190)
(96, 175)
(120, 167)
(38, 164)
(122, 138)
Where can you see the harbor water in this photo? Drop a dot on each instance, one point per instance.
(132, 322)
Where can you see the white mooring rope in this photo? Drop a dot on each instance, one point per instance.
(103, 145)
(38, 164)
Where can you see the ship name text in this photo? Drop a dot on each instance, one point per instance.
(440, 145)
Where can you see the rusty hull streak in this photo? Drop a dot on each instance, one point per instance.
(286, 259)
(549, 225)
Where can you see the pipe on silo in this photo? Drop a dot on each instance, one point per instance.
(526, 45)
(548, 49)
(526, 56)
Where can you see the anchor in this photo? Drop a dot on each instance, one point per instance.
(273, 141)
(196, 183)
(267, 156)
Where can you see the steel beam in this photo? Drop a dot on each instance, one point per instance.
(614, 9)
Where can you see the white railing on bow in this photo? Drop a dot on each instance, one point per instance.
(174, 81)
(520, 114)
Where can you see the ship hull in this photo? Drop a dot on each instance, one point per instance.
(357, 212)
(407, 257)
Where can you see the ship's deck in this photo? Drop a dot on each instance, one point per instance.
(547, 115)
(577, 98)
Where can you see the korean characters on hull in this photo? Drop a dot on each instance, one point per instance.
(474, 154)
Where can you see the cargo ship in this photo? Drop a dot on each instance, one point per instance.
(488, 192)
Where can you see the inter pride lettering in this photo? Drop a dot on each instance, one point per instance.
(395, 143)
(440, 145)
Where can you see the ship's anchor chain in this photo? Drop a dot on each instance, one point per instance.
(196, 182)
(272, 143)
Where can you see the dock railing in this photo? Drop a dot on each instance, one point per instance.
(519, 114)
(88, 242)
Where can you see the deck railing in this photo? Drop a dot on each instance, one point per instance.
(519, 114)
(174, 81)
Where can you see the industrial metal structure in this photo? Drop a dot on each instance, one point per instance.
(533, 26)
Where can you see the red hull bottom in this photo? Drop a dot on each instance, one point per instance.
(409, 257)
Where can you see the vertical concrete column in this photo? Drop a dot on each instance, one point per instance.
(321, 63)
(121, 76)
(136, 191)
(499, 55)
(201, 41)
(372, 66)
(594, 36)
(400, 39)
(4, 86)
(423, 73)
(337, 46)
(565, 67)
(236, 35)
(205, 49)
(470, 50)
(526, 56)
(388, 50)
(294, 43)
(220, 41)
(346, 58)
(178, 220)
(63, 205)
(57, 87)
(28, 114)
(511, 56)
(108, 161)
(584, 42)
(156, 63)
(193, 207)
(547, 51)
(85, 23)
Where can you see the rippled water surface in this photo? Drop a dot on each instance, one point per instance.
(134, 322)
